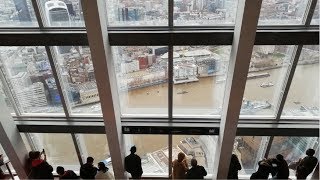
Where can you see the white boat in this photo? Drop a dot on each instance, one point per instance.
(264, 85)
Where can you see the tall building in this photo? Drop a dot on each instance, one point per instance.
(23, 10)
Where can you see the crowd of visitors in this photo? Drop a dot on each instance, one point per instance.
(39, 168)
(277, 167)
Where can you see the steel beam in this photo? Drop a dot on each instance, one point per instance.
(243, 41)
(69, 37)
(12, 142)
(96, 24)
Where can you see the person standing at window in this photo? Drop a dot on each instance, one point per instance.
(196, 172)
(281, 168)
(234, 167)
(88, 171)
(103, 172)
(307, 164)
(133, 164)
(180, 167)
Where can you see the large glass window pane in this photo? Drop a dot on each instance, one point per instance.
(142, 76)
(77, 74)
(204, 12)
(28, 72)
(249, 150)
(303, 96)
(96, 146)
(137, 13)
(267, 72)
(62, 13)
(200, 147)
(59, 149)
(284, 12)
(315, 18)
(25, 141)
(293, 148)
(153, 151)
(199, 75)
(17, 13)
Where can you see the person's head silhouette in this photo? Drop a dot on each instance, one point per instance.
(133, 149)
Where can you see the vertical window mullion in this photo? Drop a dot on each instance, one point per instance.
(170, 12)
(309, 12)
(62, 95)
(35, 5)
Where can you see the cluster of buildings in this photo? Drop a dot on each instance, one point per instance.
(21, 11)
(288, 11)
(146, 66)
(30, 76)
(78, 74)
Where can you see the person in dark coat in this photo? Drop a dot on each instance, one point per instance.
(282, 169)
(40, 169)
(69, 174)
(234, 167)
(133, 164)
(307, 164)
(301, 172)
(196, 172)
(263, 171)
(88, 171)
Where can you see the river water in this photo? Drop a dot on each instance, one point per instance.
(200, 98)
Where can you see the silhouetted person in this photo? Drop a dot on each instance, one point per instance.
(133, 164)
(2, 176)
(103, 172)
(263, 171)
(180, 167)
(282, 169)
(69, 174)
(309, 163)
(234, 167)
(88, 171)
(196, 171)
(301, 172)
(40, 168)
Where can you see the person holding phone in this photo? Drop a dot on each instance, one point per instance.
(40, 168)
